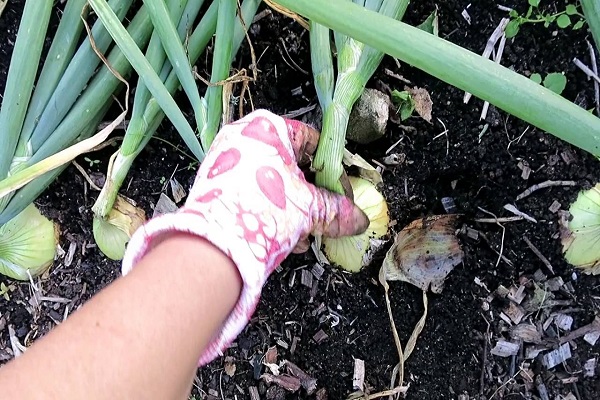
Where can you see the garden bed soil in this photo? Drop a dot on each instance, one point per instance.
(452, 357)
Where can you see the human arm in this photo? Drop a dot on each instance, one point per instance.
(193, 278)
(139, 338)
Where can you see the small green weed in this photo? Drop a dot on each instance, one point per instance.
(91, 162)
(570, 16)
(554, 81)
(405, 103)
(5, 291)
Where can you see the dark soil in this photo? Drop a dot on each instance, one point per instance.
(452, 356)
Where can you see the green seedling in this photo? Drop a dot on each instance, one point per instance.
(5, 290)
(570, 16)
(404, 102)
(91, 162)
(431, 25)
(554, 81)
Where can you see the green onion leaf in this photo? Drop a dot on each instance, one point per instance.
(21, 75)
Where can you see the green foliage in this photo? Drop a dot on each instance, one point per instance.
(430, 25)
(570, 16)
(91, 162)
(554, 81)
(5, 291)
(405, 103)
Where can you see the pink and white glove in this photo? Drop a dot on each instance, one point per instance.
(251, 200)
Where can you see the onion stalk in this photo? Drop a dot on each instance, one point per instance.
(27, 137)
(356, 64)
(506, 89)
(147, 114)
(591, 10)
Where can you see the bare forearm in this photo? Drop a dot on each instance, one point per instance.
(139, 338)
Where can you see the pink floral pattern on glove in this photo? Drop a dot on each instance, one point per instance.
(250, 199)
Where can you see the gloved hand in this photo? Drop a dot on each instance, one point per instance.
(251, 200)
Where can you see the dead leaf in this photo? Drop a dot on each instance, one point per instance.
(177, 190)
(2, 5)
(424, 253)
(365, 170)
(423, 103)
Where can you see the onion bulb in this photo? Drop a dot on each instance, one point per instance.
(113, 232)
(27, 244)
(351, 252)
(580, 236)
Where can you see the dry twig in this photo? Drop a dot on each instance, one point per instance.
(288, 13)
(544, 185)
(86, 176)
(538, 254)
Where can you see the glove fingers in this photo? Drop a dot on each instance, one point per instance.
(302, 246)
(304, 140)
(334, 215)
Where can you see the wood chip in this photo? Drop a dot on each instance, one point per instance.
(229, 366)
(358, 379)
(556, 357)
(289, 383)
(539, 276)
(502, 291)
(292, 280)
(308, 382)
(515, 313)
(592, 337)
(555, 284)
(320, 336)
(306, 278)
(504, 348)
(70, 253)
(525, 169)
(253, 390)
(282, 343)
(541, 388)
(295, 340)
(516, 294)
(321, 394)
(526, 332)
(554, 207)
(589, 368)
(317, 271)
(271, 355)
(533, 351)
(563, 321)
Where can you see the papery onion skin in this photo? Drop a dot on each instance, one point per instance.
(113, 233)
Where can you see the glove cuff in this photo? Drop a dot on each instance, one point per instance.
(194, 223)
